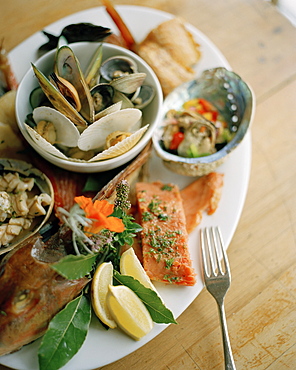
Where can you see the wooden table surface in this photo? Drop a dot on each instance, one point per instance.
(260, 45)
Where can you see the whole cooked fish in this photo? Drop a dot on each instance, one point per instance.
(31, 292)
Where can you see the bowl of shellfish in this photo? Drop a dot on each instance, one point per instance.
(203, 121)
(89, 107)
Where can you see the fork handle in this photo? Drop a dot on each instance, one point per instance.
(228, 358)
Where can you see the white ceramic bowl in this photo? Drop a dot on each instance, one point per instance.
(84, 52)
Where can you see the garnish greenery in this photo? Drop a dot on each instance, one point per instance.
(65, 335)
(99, 230)
(158, 311)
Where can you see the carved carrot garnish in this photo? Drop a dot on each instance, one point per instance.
(125, 33)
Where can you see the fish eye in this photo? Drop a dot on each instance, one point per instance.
(23, 295)
(21, 300)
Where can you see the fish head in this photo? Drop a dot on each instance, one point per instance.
(31, 293)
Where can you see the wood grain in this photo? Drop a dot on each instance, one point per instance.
(260, 44)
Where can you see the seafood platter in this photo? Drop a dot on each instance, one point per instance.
(104, 181)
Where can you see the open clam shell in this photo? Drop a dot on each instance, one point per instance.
(116, 66)
(144, 97)
(94, 137)
(66, 132)
(102, 95)
(84, 52)
(121, 147)
(234, 100)
(125, 101)
(43, 144)
(128, 84)
(112, 108)
(41, 185)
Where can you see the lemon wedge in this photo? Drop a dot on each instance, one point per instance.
(102, 278)
(130, 265)
(129, 312)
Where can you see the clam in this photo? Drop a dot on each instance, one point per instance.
(128, 84)
(62, 131)
(94, 137)
(66, 132)
(234, 100)
(125, 101)
(122, 146)
(112, 108)
(40, 191)
(84, 112)
(102, 95)
(43, 144)
(144, 97)
(117, 66)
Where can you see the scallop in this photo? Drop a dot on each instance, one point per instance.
(121, 147)
(94, 137)
(66, 132)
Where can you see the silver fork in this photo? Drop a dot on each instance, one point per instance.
(217, 280)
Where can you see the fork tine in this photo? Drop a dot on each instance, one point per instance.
(212, 250)
(224, 255)
(205, 254)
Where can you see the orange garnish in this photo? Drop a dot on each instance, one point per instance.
(125, 32)
(99, 211)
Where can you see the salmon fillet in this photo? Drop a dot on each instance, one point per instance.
(201, 195)
(164, 236)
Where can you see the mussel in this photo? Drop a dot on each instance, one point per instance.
(87, 108)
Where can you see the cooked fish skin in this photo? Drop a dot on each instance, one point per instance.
(31, 292)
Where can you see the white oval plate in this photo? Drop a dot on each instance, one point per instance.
(103, 347)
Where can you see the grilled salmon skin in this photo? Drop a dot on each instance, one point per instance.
(164, 236)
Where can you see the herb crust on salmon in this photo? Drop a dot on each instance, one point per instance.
(166, 256)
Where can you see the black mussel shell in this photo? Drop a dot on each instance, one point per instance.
(77, 32)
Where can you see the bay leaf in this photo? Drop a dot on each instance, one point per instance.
(75, 267)
(65, 335)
